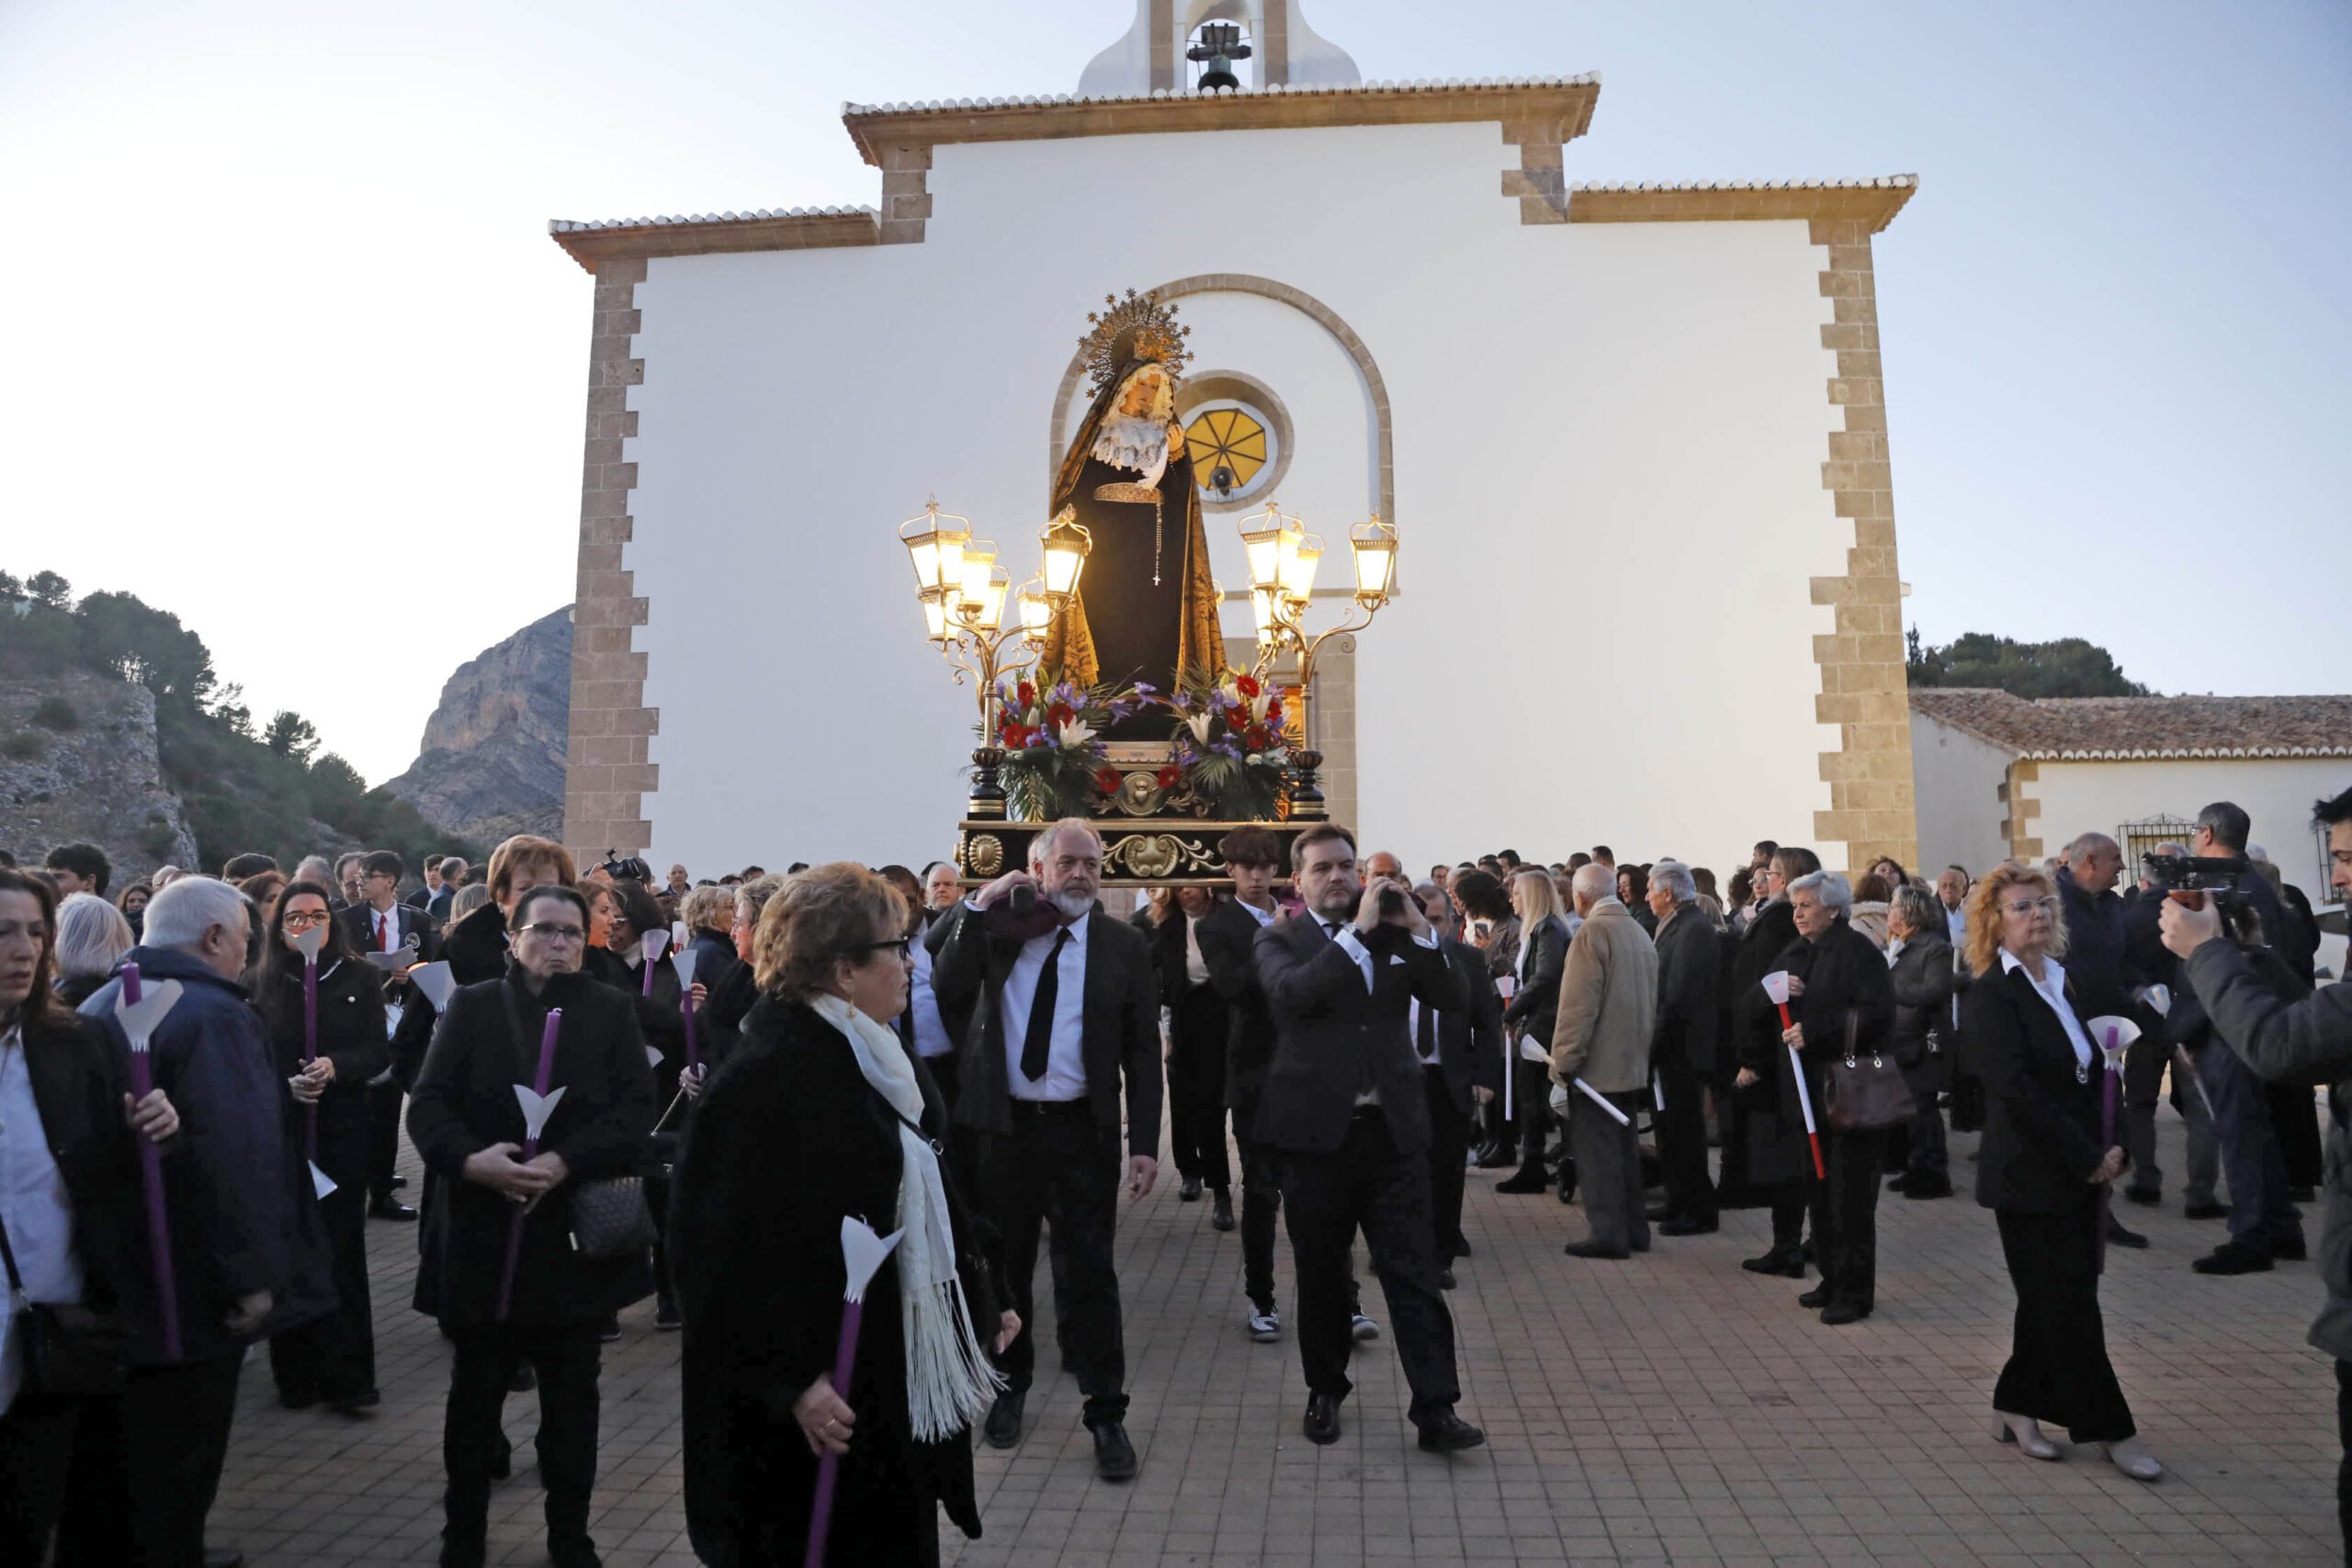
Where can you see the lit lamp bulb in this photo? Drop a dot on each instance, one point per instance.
(1299, 566)
(1375, 545)
(992, 594)
(1036, 614)
(1262, 537)
(936, 548)
(934, 615)
(1066, 546)
(979, 565)
(1265, 612)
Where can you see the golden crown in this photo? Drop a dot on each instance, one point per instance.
(1137, 327)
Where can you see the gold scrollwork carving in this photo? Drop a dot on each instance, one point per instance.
(1150, 856)
(983, 854)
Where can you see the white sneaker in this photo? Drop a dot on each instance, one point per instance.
(1363, 1328)
(1265, 1326)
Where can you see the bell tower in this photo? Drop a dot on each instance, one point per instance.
(1258, 43)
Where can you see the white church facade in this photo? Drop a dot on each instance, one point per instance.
(1632, 439)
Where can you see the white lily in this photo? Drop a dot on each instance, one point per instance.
(1200, 723)
(1259, 704)
(1075, 734)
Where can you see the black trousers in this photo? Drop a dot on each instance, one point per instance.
(566, 1360)
(948, 1074)
(163, 1441)
(1531, 1107)
(37, 1440)
(2294, 1114)
(2058, 1370)
(1733, 1189)
(2343, 1465)
(333, 1356)
(1790, 1200)
(1196, 1086)
(1368, 1184)
(1845, 1215)
(1967, 1099)
(1682, 1143)
(1059, 1168)
(1261, 1200)
(1448, 1160)
(383, 1137)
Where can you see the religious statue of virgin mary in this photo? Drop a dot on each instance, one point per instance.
(1147, 609)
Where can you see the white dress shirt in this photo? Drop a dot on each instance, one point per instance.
(378, 920)
(1196, 969)
(930, 1032)
(1263, 917)
(2052, 988)
(1066, 1060)
(34, 1206)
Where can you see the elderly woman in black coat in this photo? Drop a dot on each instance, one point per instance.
(2041, 1168)
(1765, 1158)
(820, 1116)
(332, 1356)
(1919, 968)
(1840, 1005)
(467, 1124)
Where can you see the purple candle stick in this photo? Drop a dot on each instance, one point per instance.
(534, 1111)
(863, 1252)
(311, 1050)
(684, 961)
(2107, 1074)
(151, 1173)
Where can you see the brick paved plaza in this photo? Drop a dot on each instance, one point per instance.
(1669, 1409)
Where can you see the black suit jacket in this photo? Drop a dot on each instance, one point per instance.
(420, 899)
(1690, 981)
(1228, 946)
(1537, 1003)
(2041, 1122)
(1120, 1029)
(1326, 1021)
(360, 924)
(1470, 1042)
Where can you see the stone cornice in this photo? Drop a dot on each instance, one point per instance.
(591, 244)
(1873, 201)
(1564, 102)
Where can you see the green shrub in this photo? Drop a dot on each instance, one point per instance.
(56, 713)
(24, 747)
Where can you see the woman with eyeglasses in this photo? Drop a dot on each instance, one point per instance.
(467, 1123)
(331, 1359)
(823, 1115)
(2041, 1169)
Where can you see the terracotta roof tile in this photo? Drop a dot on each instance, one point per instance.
(2120, 728)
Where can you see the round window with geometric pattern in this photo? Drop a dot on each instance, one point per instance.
(1230, 446)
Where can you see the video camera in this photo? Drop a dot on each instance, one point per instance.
(2191, 879)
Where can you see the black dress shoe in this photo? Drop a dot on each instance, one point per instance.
(1003, 1428)
(1685, 1226)
(1495, 1159)
(1837, 1315)
(1114, 1457)
(1784, 1263)
(1191, 1190)
(2291, 1251)
(1524, 1180)
(666, 1316)
(1445, 1279)
(2299, 1194)
(392, 1208)
(2144, 1196)
(223, 1557)
(1322, 1418)
(2209, 1209)
(1591, 1249)
(1449, 1434)
(1816, 1298)
(1900, 1183)
(1222, 1218)
(2119, 1236)
(1660, 1213)
(297, 1398)
(2231, 1259)
(1461, 1247)
(1922, 1188)
(357, 1404)
(1806, 1252)
(397, 1182)
(524, 1381)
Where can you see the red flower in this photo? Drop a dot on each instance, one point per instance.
(1258, 740)
(1274, 714)
(1106, 779)
(1060, 715)
(1170, 776)
(1028, 694)
(1245, 684)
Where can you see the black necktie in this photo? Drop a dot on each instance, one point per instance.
(1429, 1032)
(1037, 1045)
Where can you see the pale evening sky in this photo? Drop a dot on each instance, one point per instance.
(291, 354)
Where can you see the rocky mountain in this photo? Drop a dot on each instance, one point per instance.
(491, 762)
(80, 764)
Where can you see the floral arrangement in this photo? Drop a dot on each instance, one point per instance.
(1231, 753)
(1049, 730)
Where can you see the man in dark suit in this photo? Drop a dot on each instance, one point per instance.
(1682, 1051)
(1462, 1065)
(1345, 1103)
(423, 897)
(1228, 939)
(1063, 1003)
(380, 922)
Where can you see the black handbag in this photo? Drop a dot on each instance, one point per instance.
(70, 1349)
(1868, 1094)
(611, 1218)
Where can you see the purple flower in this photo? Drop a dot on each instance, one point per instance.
(1146, 689)
(1065, 692)
(1036, 741)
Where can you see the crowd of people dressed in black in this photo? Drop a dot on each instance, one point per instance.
(618, 1088)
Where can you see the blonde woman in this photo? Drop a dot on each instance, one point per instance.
(1543, 955)
(2042, 1167)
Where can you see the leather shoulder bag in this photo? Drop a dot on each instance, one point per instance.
(1866, 1093)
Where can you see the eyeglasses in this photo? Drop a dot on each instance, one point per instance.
(2028, 906)
(550, 932)
(303, 919)
(903, 943)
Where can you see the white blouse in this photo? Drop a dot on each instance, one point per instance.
(2052, 988)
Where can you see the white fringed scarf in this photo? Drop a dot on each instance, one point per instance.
(949, 1380)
